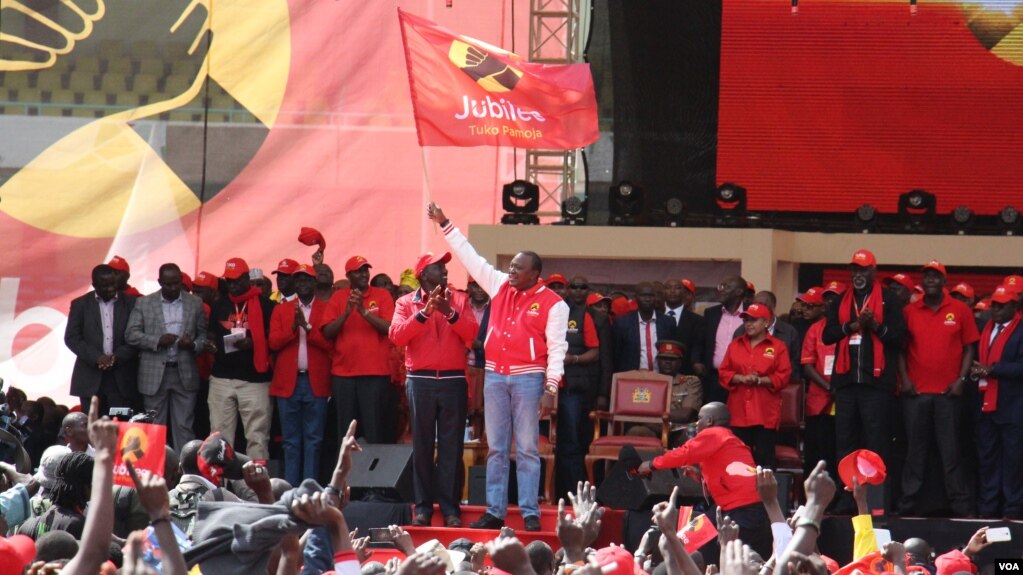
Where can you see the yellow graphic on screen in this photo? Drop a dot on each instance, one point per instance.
(998, 26)
(129, 60)
(490, 73)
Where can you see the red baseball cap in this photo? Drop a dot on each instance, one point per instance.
(750, 286)
(964, 289)
(556, 279)
(206, 279)
(756, 311)
(812, 296)
(1003, 294)
(689, 285)
(235, 268)
(312, 236)
(936, 266)
(982, 305)
(120, 264)
(217, 459)
(186, 280)
(304, 269)
(901, 279)
(864, 258)
(835, 287)
(864, 465)
(16, 553)
(428, 259)
(623, 561)
(954, 562)
(595, 298)
(286, 267)
(1013, 282)
(355, 263)
(622, 306)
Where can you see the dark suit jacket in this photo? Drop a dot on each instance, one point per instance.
(689, 331)
(84, 337)
(1009, 372)
(626, 338)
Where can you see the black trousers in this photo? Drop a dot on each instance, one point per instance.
(109, 396)
(1000, 451)
(819, 443)
(933, 416)
(369, 400)
(761, 441)
(862, 421)
(437, 412)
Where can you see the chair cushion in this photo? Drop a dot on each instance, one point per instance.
(641, 397)
(788, 456)
(623, 440)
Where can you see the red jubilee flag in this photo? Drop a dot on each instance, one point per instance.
(468, 93)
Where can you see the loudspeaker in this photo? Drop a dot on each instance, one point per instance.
(478, 484)
(382, 473)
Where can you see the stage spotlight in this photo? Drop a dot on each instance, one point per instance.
(626, 204)
(866, 218)
(730, 200)
(521, 200)
(962, 219)
(573, 211)
(1009, 221)
(675, 213)
(917, 208)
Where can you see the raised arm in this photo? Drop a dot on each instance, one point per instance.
(486, 275)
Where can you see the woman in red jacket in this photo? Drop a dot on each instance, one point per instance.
(755, 369)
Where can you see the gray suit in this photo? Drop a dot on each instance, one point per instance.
(168, 389)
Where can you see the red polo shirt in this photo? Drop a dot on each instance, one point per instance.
(756, 405)
(359, 348)
(821, 356)
(434, 342)
(725, 461)
(934, 347)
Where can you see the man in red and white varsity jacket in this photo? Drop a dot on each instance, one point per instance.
(525, 350)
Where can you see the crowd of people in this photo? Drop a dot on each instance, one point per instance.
(927, 377)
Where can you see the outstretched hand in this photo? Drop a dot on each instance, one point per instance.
(436, 214)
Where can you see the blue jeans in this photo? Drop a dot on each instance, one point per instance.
(511, 406)
(303, 416)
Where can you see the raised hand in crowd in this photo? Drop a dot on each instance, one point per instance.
(508, 554)
(134, 555)
(44, 568)
(402, 540)
(99, 519)
(361, 546)
(426, 564)
(737, 559)
(257, 478)
(665, 517)
(767, 489)
(586, 509)
(338, 487)
(820, 490)
(895, 552)
(155, 500)
(571, 535)
(728, 530)
(315, 509)
(977, 543)
(859, 492)
(477, 555)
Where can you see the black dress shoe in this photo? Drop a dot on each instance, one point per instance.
(452, 521)
(422, 520)
(532, 522)
(488, 521)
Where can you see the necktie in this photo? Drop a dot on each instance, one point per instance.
(671, 314)
(995, 332)
(649, 347)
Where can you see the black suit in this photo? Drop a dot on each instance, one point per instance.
(84, 337)
(626, 339)
(689, 331)
(1000, 438)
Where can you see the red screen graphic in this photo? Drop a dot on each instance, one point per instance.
(857, 102)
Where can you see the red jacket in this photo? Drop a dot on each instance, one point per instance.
(820, 355)
(436, 343)
(527, 328)
(756, 405)
(284, 340)
(725, 461)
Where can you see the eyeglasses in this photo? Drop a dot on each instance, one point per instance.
(579, 286)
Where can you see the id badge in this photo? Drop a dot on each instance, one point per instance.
(855, 339)
(982, 384)
(829, 364)
(237, 331)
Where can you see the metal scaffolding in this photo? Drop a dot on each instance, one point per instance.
(554, 38)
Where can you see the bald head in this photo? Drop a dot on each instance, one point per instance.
(190, 457)
(920, 549)
(75, 427)
(714, 414)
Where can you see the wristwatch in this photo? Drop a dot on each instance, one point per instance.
(807, 522)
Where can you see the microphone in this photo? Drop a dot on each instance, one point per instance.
(629, 457)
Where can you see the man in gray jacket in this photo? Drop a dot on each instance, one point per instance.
(168, 328)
